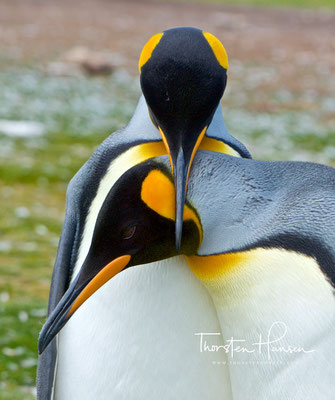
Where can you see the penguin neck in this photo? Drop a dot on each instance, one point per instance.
(217, 130)
(217, 126)
(270, 295)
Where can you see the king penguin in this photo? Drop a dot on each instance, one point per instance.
(260, 237)
(268, 261)
(133, 337)
(183, 77)
(147, 135)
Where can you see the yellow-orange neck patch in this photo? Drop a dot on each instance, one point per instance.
(211, 144)
(218, 49)
(207, 268)
(148, 48)
(158, 194)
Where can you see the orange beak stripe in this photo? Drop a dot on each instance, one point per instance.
(166, 145)
(197, 144)
(107, 272)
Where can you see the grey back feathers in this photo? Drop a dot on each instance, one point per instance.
(245, 204)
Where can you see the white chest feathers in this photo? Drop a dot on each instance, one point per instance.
(135, 339)
(279, 309)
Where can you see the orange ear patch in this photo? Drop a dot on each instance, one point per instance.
(218, 49)
(158, 194)
(148, 48)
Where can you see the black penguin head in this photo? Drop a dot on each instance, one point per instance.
(183, 77)
(135, 226)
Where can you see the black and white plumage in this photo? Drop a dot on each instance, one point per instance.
(140, 140)
(267, 256)
(268, 261)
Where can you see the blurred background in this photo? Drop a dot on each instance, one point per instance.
(68, 78)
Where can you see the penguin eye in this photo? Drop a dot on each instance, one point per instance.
(128, 232)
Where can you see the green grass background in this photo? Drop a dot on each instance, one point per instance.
(78, 114)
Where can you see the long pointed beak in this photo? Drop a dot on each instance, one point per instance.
(181, 159)
(79, 291)
(180, 170)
